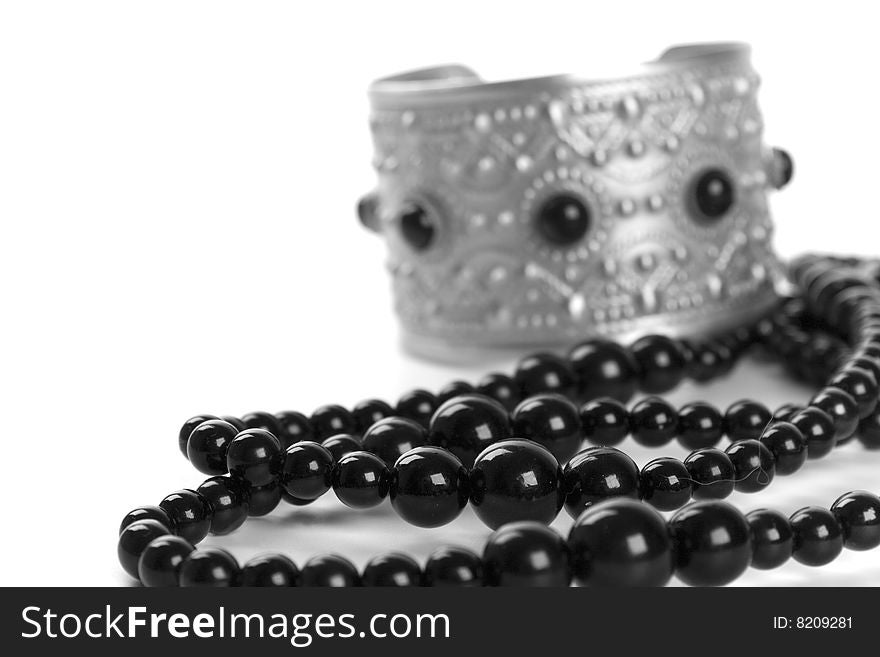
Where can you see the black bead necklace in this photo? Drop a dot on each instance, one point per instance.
(509, 446)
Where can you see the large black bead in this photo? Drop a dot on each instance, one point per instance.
(501, 388)
(746, 420)
(868, 432)
(699, 425)
(516, 480)
(817, 428)
(307, 471)
(331, 420)
(148, 512)
(269, 570)
(712, 543)
(340, 445)
(753, 463)
(544, 372)
(453, 389)
(551, 420)
(392, 569)
(329, 570)
(605, 421)
(361, 480)
(858, 514)
(843, 411)
(772, 538)
(818, 538)
(190, 514)
(653, 422)
(788, 446)
(661, 362)
(416, 226)
(210, 567)
(417, 405)
(159, 564)
(429, 487)
(860, 385)
(665, 484)
(207, 446)
(466, 425)
(453, 566)
(228, 500)
(712, 195)
(393, 437)
(712, 474)
(262, 500)
(264, 421)
(620, 543)
(526, 554)
(187, 428)
(293, 426)
(596, 474)
(256, 456)
(134, 539)
(603, 368)
(563, 219)
(368, 412)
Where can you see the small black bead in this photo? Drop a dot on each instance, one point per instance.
(467, 424)
(746, 420)
(550, 420)
(417, 227)
(653, 422)
(516, 480)
(858, 513)
(753, 464)
(159, 564)
(392, 569)
(307, 471)
(234, 421)
(190, 514)
(262, 500)
(661, 362)
(620, 543)
(817, 428)
(699, 425)
(712, 195)
(709, 360)
(228, 500)
(526, 554)
(818, 538)
(860, 385)
(393, 437)
(772, 538)
(368, 412)
(207, 446)
(331, 420)
(453, 389)
(544, 372)
(712, 543)
(596, 474)
(256, 456)
(429, 487)
(361, 480)
(211, 567)
(294, 426)
(563, 219)
(843, 411)
(417, 405)
(134, 539)
(788, 446)
(264, 421)
(501, 388)
(147, 512)
(453, 566)
(187, 428)
(340, 445)
(665, 484)
(329, 570)
(269, 570)
(603, 368)
(605, 421)
(787, 411)
(712, 474)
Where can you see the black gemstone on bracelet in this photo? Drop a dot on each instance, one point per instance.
(467, 424)
(262, 500)
(269, 570)
(134, 539)
(187, 429)
(712, 474)
(544, 372)
(417, 405)
(788, 446)
(294, 426)
(207, 446)
(746, 420)
(429, 487)
(858, 513)
(340, 445)
(228, 500)
(329, 570)
(661, 363)
(392, 569)
(368, 412)
(843, 411)
(209, 567)
(869, 431)
(256, 456)
(860, 385)
(190, 513)
(605, 421)
(620, 543)
(307, 471)
(818, 538)
(699, 425)
(148, 512)
(234, 421)
(597, 474)
(772, 538)
(453, 566)
(453, 389)
(264, 421)
(551, 420)
(754, 465)
(361, 480)
(159, 564)
(526, 554)
(654, 422)
(501, 388)
(665, 484)
(393, 437)
(603, 368)
(817, 428)
(331, 420)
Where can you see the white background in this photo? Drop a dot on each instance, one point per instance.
(177, 182)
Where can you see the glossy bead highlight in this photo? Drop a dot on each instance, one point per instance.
(818, 538)
(550, 420)
(429, 487)
(466, 425)
(597, 474)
